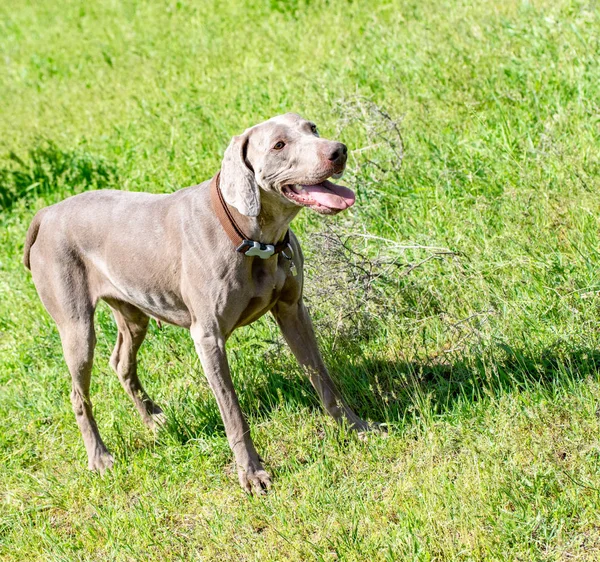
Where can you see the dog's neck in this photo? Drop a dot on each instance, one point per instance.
(272, 223)
(274, 219)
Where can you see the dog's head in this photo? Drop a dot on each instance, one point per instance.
(285, 156)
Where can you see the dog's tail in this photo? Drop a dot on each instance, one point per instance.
(32, 233)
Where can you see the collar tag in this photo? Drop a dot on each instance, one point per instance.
(263, 251)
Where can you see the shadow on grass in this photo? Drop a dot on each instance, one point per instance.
(394, 391)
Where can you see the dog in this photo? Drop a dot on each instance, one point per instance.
(209, 258)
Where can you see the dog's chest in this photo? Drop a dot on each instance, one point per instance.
(268, 281)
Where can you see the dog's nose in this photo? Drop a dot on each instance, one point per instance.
(338, 153)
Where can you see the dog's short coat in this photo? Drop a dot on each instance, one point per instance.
(168, 257)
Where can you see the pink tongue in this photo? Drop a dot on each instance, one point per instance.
(331, 195)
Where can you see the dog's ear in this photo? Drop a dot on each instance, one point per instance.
(237, 180)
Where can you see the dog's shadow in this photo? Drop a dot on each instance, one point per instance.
(392, 391)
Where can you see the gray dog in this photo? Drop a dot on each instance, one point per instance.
(209, 258)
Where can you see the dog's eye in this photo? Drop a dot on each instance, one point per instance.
(314, 129)
(279, 145)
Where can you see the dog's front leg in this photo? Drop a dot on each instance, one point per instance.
(295, 323)
(210, 346)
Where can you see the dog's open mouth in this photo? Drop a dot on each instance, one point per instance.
(326, 197)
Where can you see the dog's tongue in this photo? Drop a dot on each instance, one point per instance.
(331, 195)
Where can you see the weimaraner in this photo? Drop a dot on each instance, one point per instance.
(174, 257)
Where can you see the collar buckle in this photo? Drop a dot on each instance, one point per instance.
(263, 251)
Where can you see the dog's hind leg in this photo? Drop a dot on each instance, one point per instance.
(63, 288)
(133, 325)
(78, 341)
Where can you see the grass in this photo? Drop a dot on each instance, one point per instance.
(458, 300)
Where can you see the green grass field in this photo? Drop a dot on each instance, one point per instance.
(458, 300)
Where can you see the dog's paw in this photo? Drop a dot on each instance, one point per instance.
(254, 479)
(154, 418)
(373, 428)
(101, 462)
(362, 426)
(364, 429)
(158, 419)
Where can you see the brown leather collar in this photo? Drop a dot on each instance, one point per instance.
(239, 240)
